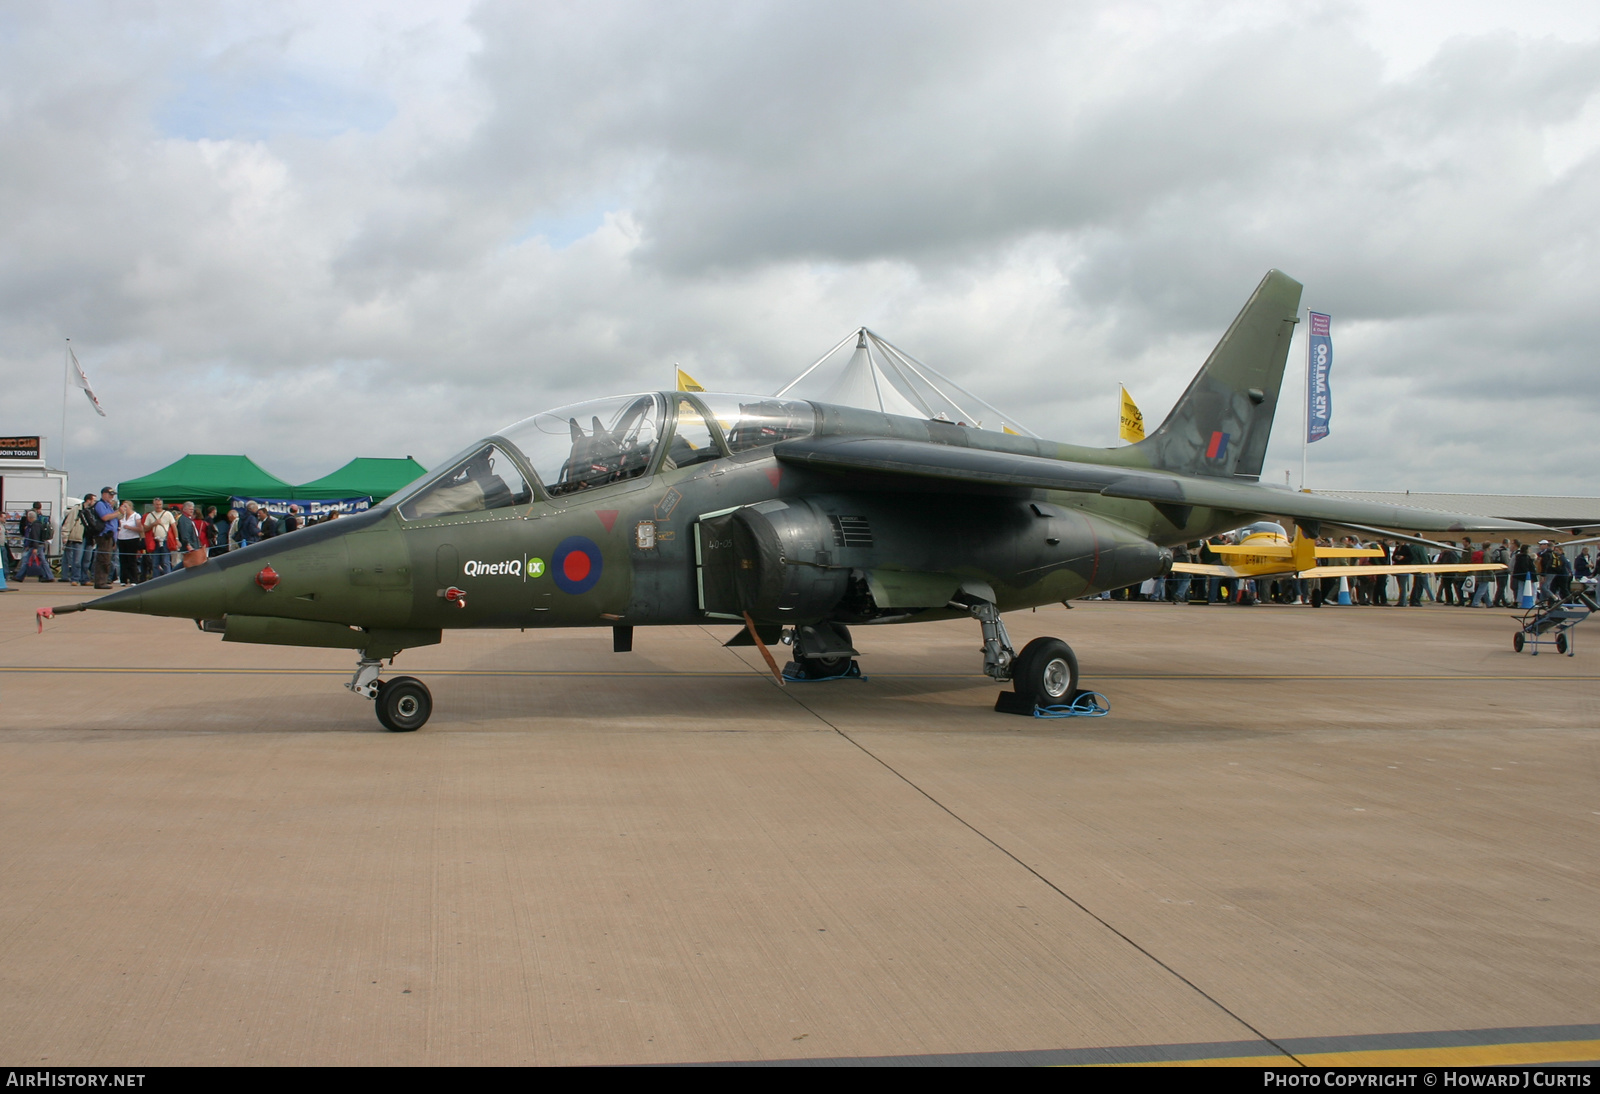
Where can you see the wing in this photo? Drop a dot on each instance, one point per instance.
(931, 462)
(1377, 571)
(1208, 571)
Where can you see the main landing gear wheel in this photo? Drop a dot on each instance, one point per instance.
(403, 704)
(1046, 671)
(827, 668)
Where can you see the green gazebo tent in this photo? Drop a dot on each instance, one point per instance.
(205, 480)
(364, 476)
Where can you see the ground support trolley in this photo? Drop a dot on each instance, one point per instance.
(1548, 622)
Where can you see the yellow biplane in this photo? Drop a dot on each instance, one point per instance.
(1266, 551)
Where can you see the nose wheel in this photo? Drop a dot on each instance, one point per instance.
(403, 704)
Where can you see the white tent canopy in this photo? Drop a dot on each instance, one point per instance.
(881, 376)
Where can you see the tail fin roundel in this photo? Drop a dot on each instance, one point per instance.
(1221, 425)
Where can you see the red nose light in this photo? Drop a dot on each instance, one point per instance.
(456, 596)
(267, 578)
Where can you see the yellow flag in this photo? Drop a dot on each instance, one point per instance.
(1132, 420)
(1007, 429)
(687, 382)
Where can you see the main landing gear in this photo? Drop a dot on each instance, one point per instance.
(403, 704)
(1044, 674)
(822, 651)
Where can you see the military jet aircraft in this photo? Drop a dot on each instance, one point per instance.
(797, 520)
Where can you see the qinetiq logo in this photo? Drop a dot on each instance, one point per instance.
(475, 568)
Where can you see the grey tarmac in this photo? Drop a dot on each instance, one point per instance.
(1339, 827)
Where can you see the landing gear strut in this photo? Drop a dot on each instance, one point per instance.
(1044, 674)
(998, 654)
(403, 704)
(365, 682)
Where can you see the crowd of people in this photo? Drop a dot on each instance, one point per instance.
(1545, 569)
(105, 542)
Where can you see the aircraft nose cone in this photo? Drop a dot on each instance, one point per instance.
(123, 600)
(188, 594)
(251, 580)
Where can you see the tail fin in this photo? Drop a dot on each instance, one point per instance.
(1221, 424)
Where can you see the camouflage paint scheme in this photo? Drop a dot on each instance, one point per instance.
(932, 508)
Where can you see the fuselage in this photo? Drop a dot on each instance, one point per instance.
(608, 513)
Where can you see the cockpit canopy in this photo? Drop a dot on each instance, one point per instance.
(591, 444)
(1262, 528)
(595, 444)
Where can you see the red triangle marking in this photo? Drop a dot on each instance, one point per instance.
(608, 517)
(774, 473)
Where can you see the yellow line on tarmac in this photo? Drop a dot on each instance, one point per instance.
(1218, 1061)
(1534, 1052)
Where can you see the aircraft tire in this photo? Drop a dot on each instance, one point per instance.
(826, 668)
(403, 704)
(1046, 671)
(1317, 598)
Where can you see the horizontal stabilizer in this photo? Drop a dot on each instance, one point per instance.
(1283, 550)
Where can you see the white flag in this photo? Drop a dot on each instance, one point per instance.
(83, 381)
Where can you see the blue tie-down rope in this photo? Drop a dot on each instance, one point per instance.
(1085, 704)
(791, 674)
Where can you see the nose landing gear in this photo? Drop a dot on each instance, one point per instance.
(403, 704)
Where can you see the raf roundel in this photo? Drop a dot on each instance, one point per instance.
(576, 565)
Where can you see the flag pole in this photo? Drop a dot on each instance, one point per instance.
(1305, 408)
(66, 376)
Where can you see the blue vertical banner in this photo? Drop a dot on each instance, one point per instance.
(1319, 362)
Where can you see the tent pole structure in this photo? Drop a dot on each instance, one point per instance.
(986, 406)
(900, 363)
(887, 356)
(913, 364)
(780, 393)
(872, 371)
(874, 365)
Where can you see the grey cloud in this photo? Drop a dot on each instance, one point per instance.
(1035, 199)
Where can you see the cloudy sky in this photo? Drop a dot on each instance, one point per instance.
(311, 231)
